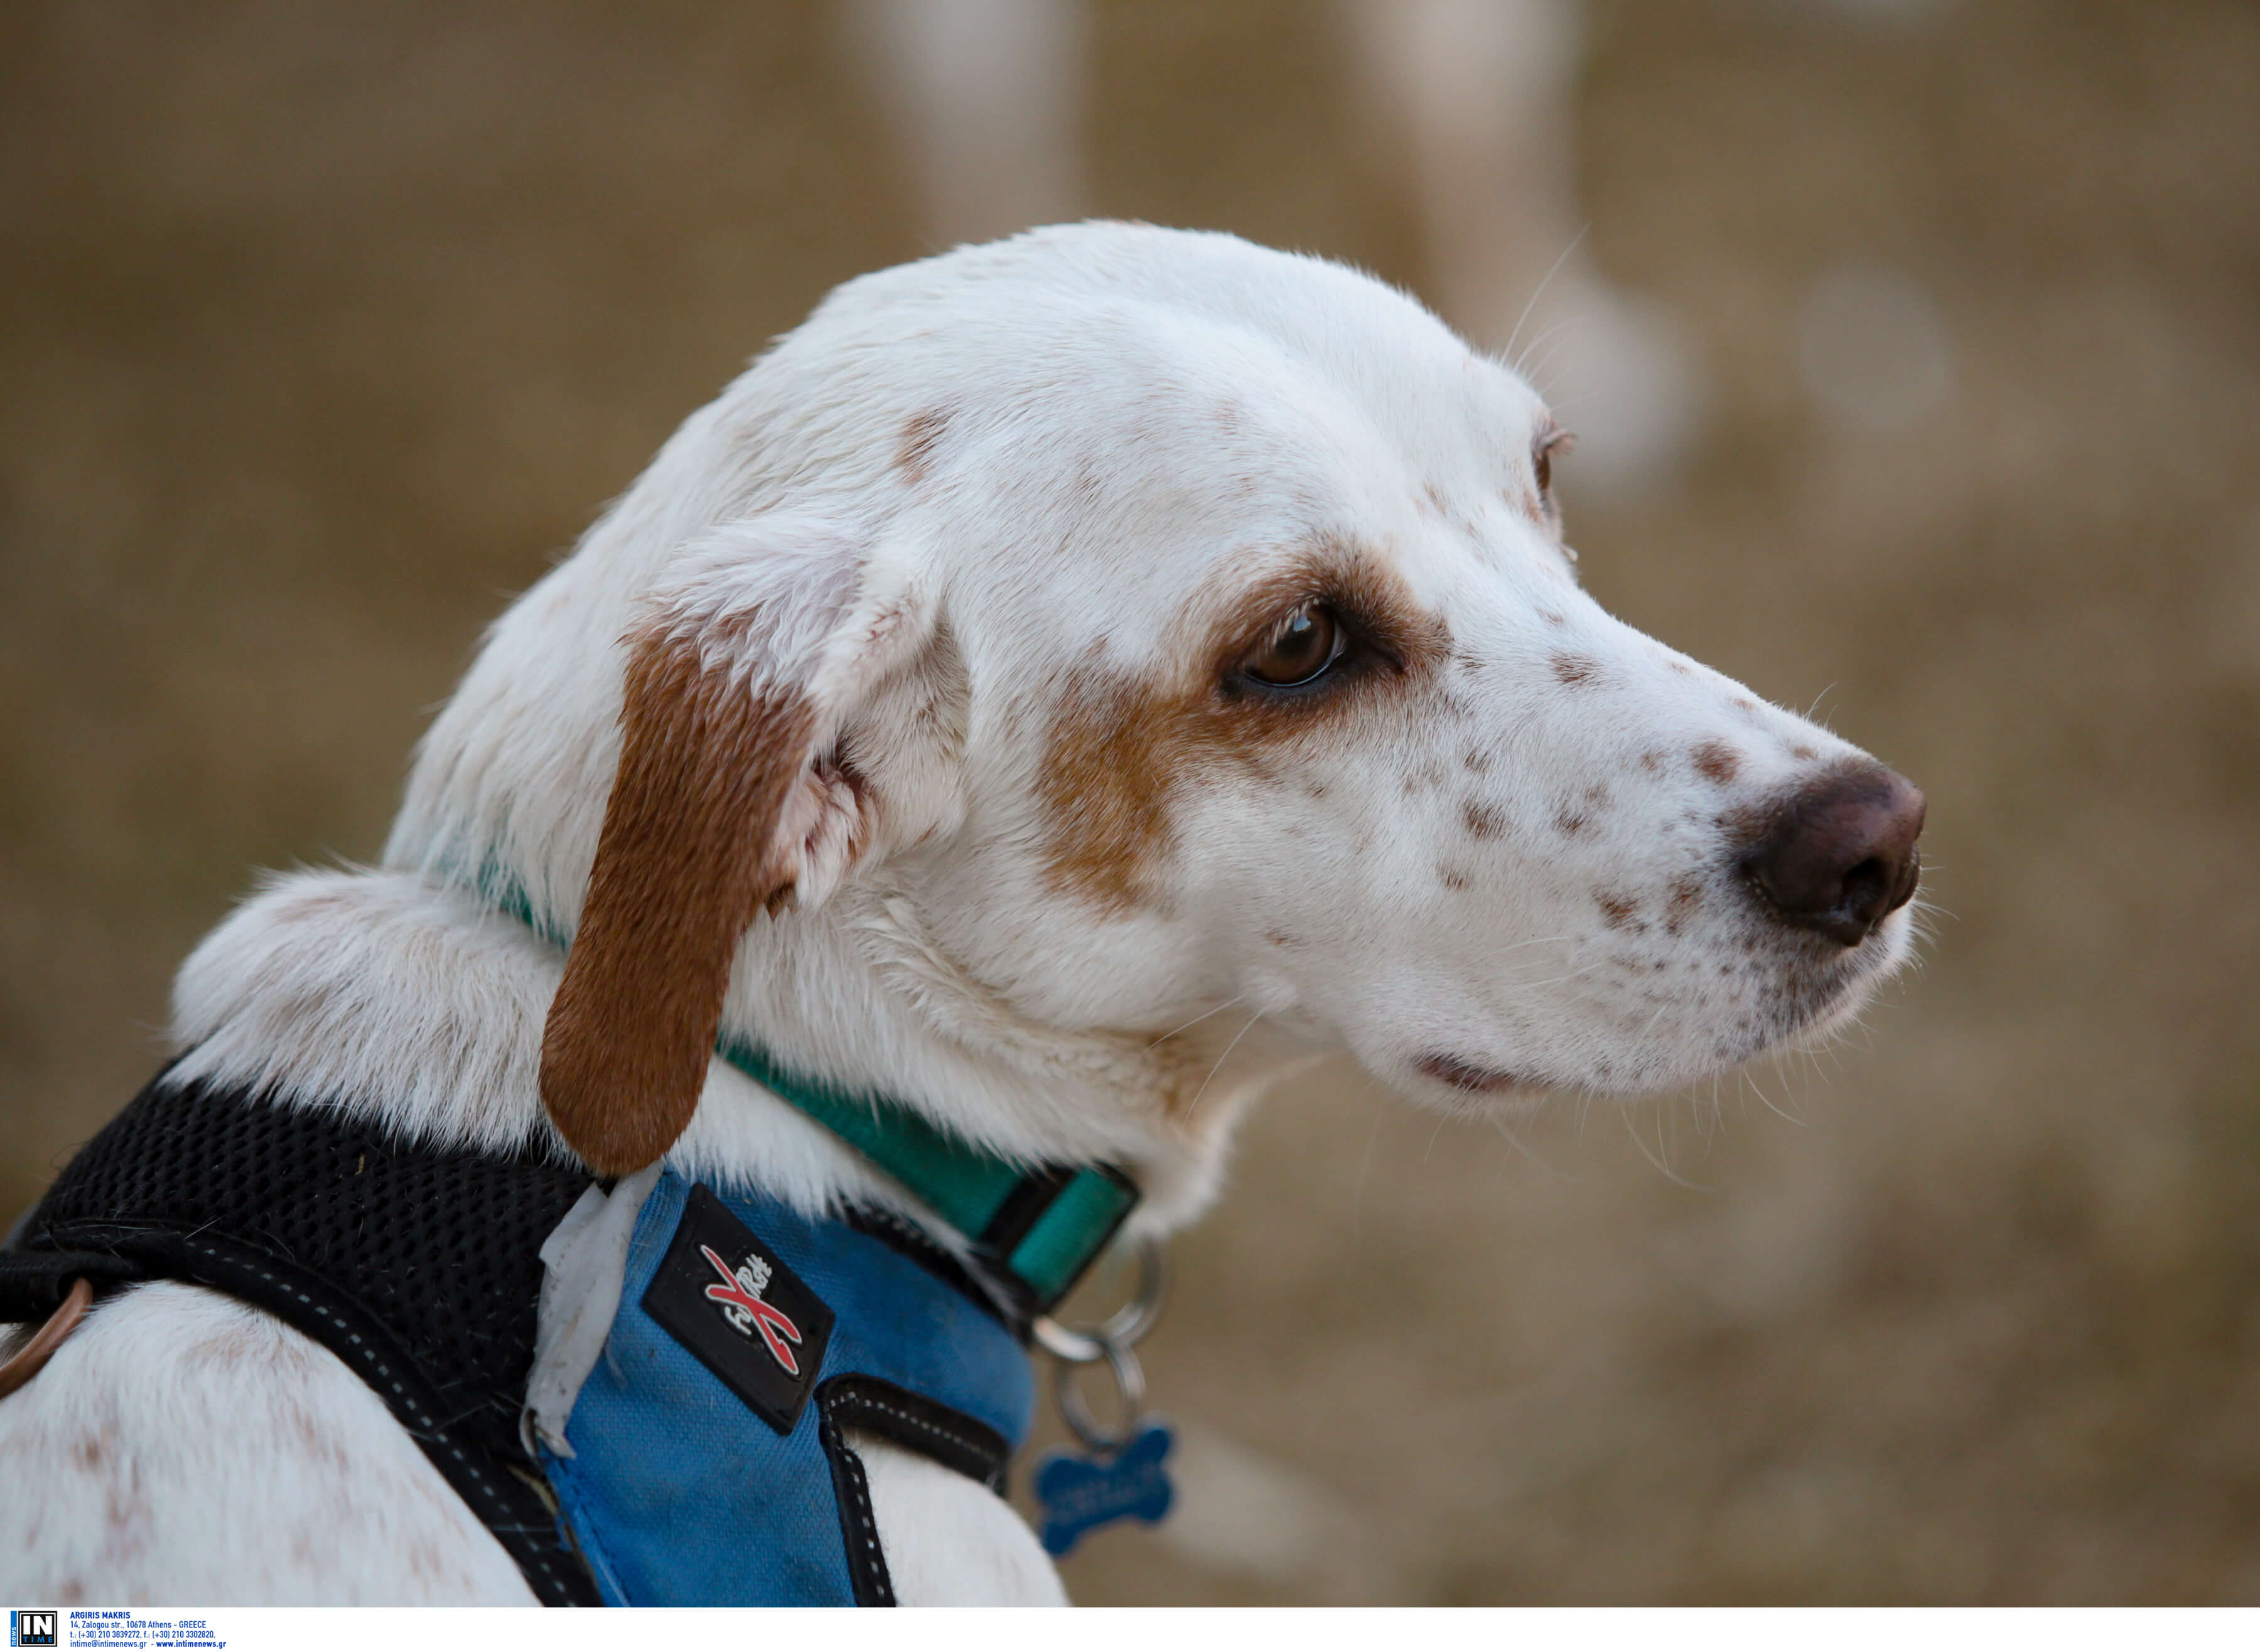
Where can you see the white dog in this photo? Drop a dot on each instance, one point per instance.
(1047, 644)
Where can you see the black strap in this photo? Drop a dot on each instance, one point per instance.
(912, 1421)
(34, 1283)
(859, 1527)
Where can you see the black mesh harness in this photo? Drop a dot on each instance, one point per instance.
(418, 1267)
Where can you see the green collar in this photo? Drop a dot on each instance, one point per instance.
(1039, 1229)
(1036, 1231)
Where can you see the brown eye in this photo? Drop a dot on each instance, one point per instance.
(1551, 440)
(1298, 652)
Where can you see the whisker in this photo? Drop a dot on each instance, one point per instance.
(1770, 1108)
(1442, 1119)
(1516, 1142)
(1669, 1174)
(1357, 1192)
(1538, 367)
(1193, 1106)
(1552, 270)
(1197, 1020)
(1542, 940)
(1559, 979)
(1543, 334)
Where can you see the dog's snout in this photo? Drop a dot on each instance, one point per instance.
(1840, 856)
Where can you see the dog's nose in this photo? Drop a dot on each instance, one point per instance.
(1840, 857)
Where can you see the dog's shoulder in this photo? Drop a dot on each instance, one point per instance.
(181, 1445)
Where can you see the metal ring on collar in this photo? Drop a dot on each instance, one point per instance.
(1130, 1402)
(1121, 1332)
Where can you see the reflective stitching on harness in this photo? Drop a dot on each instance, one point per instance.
(859, 1527)
(864, 1521)
(852, 1400)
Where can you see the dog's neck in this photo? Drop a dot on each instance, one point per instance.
(398, 996)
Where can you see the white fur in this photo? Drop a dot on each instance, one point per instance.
(959, 485)
(991, 1556)
(183, 1447)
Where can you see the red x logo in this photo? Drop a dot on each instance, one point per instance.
(775, 1327)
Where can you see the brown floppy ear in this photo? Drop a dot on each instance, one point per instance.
(731, 684)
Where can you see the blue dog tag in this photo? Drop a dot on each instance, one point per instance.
(1080, 1494)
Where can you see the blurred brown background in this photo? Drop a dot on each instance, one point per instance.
(325, 327)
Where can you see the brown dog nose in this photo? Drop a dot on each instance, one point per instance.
(1840, 857)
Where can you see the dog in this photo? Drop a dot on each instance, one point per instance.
(1048, 644)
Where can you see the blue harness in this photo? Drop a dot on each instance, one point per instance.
(683, 1492)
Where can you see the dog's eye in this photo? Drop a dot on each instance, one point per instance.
(1544, 447)
(1303, 648)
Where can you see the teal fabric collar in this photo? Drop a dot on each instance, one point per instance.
(1035, 1231)
(1039, 1229)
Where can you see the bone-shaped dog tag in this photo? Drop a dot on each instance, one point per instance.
(1080, 1493)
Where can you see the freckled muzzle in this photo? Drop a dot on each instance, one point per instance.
(1839, 856)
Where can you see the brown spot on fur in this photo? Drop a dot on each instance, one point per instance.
(426, 1561)
(1280, 938)
(1716, 761)
(1569, 822)
(1477, 761)
(1432, 499)
(1452, 878)
(232, 1346)
(1616, 910)
(1652, 761)
(686, 859)
(1681, 667)
(1121, 748)
(123, 1509)
(1483, 820)
(1577, 669)
(914, 455)
(1742, 704)
(1551, 617)
(1803, 754)
(1597, 798)
(1686, 896)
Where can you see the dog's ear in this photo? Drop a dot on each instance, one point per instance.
(755, 645)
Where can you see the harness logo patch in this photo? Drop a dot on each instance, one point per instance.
(740, 1293)
(734, 1306)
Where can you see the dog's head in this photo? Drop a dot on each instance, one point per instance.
(1168, 622)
